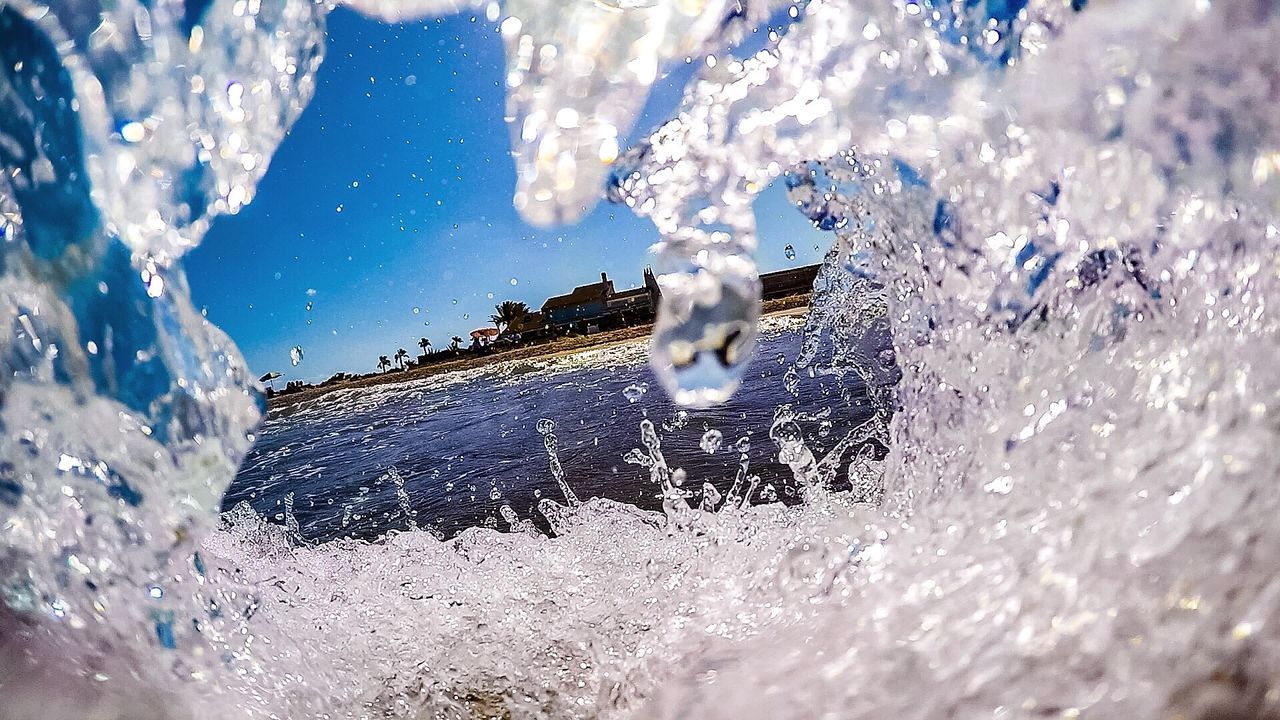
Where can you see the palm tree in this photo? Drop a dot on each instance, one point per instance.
(509, 312)
(457, 343)
(425, 344)
(383, 363)
(401, 356)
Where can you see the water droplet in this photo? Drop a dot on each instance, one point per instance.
(791, 381)
(634, 392)
(295, 355)
(790, 252)
(711, 442)
(711, 497)
(705, 333)
(677, 422)
(416, 309)
(133, 132)
(515, 281)
(495, 494)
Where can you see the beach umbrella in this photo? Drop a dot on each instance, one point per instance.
(269, 379)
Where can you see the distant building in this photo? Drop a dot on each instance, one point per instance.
(639, 302)
(785, 283)
(528, 326)
(337, 378)
(584, 303)
(599, 306)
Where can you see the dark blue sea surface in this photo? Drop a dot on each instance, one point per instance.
(462, 448)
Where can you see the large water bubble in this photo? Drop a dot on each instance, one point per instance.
(705, 333)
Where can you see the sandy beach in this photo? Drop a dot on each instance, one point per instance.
(793, 305)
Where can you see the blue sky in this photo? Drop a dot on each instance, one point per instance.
(388, 208)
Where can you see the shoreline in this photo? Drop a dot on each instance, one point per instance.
(790, 305)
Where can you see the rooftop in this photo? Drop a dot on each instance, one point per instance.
(581, 295)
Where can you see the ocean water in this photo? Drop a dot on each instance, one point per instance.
(1062, 213)
(444, 454)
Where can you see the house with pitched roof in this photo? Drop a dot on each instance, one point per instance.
(585, 303)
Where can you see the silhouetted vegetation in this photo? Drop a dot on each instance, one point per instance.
(508, 313)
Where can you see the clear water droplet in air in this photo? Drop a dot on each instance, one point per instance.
(636, 391)
(712, 441)
(706, 331)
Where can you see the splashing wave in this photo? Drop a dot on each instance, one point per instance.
(1064, 210)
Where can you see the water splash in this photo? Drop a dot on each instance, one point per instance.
(291, 521)
(674, 503)
(517, 525)
(739, 494)
(1075, 512)
(547, 428)
(711, 441)
(124, 129)
(634, 392)
(577, 77)
(402, 499)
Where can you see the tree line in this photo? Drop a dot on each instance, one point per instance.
(508, 313)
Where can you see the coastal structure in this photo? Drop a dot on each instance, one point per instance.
(591, 308)
(530, 326)
(599, 306)
(785, 283)
(584, 303)
(641, 302)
